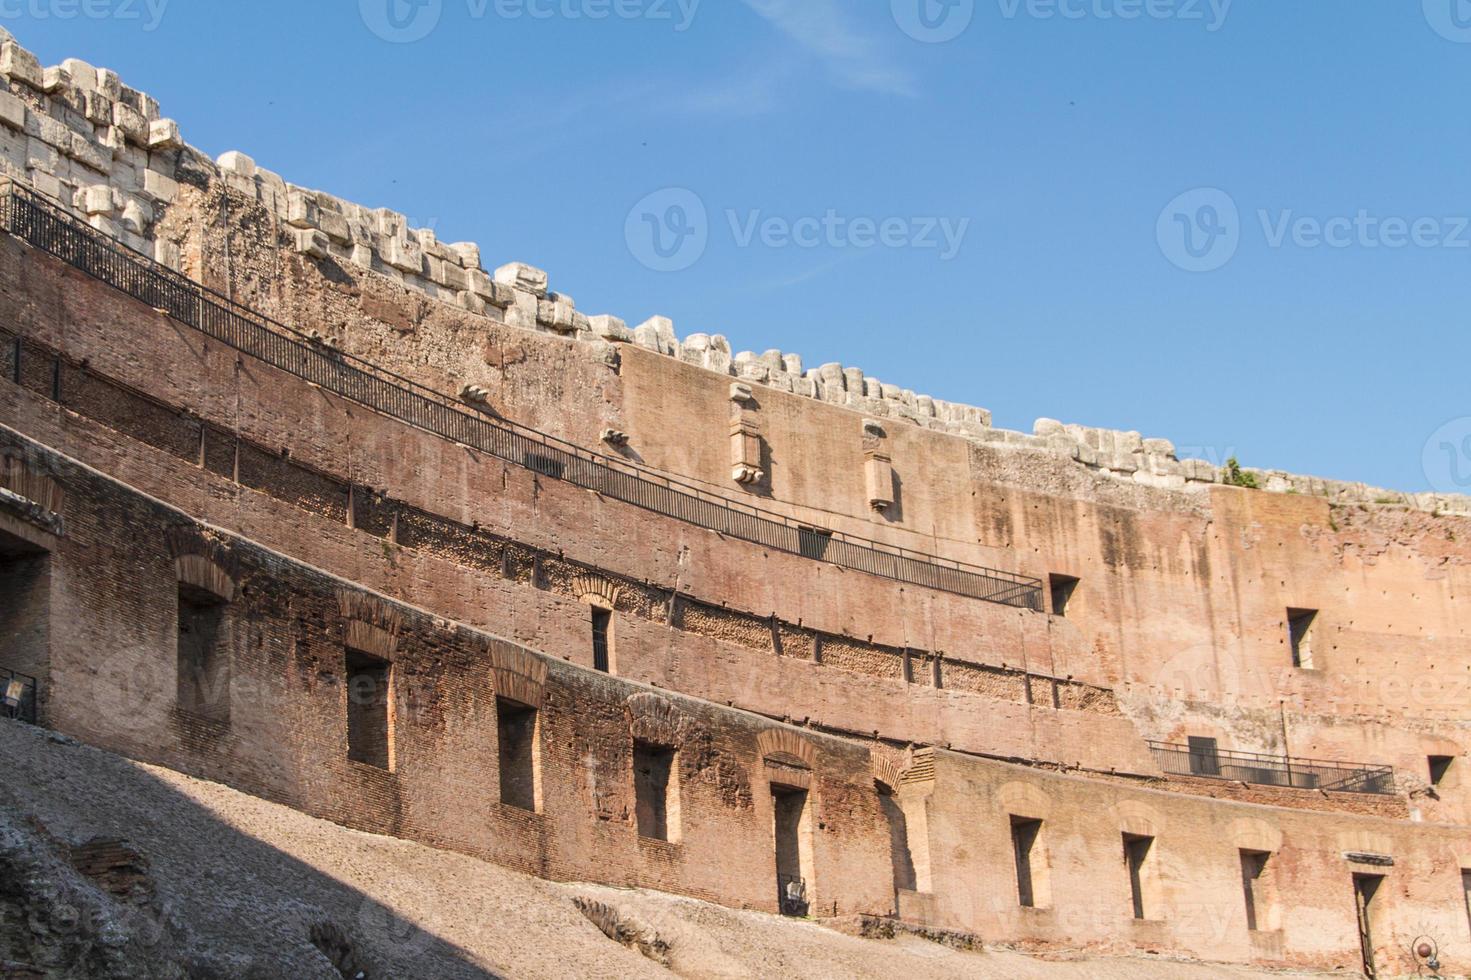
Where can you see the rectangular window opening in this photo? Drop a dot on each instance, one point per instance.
(602, 640)
(793, 849)
(1366, 887)
(25, 615)
(1256, 891)
(369, 710)
(656, 791)
(1139, 856)
(1031, 863)
(516, 731)
(203, 655)
(1062, 588)
(1205, 756)
(1300, 635)
(1440, 767)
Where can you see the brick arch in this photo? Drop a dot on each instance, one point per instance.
(785, 742)
(203, 560)
(1255, 834)
(201, 573)
(888, 769)
(24, 480)
(517, 674)
(1024, 800)
(595, 590)
(656, 719)
(1138, 818)
(369, 608)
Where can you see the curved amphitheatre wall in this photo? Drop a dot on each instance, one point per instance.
(1184, 584)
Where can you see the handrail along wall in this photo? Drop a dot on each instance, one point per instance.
(44, 225)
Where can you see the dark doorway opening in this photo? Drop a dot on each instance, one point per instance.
(793, 848)
(1366, 887)
(369, 710)
(656, 791)
(900, 858)
(1062, 588)
(516, 733)
(1138, 851)
(203, 656)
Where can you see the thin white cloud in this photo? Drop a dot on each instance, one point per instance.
(824, 28)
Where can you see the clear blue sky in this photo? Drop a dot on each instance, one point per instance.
(1061, 139)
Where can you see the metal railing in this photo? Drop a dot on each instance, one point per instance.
(1274, 770)
(792, 895)
(17, 696)
(45, 225)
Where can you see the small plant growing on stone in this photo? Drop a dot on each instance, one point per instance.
(1236, 477)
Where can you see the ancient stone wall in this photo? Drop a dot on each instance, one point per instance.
(79, 135)
(1318, 624)
(291, 633)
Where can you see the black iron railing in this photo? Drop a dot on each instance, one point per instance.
(1274, 770)
(47, 226)
(17, 696)
(792, 895)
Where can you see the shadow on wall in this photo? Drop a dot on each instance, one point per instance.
(92, 845)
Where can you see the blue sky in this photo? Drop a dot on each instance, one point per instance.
(1314, 151)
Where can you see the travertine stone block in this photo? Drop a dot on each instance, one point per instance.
(312, 242)
(82, 75)
(95, 199)
(20, 65)
(97, 108)
(523, 276)
(163, 134)
(235, 162)
(137, 216)
(404, 255)
(160, 186)
(167, 253)
(12, 112)
(301, 209)
(334, 226)
(109, 84)
(134, 127)
(657, 334)
(610, 328)
(54, 79)
(46, 184)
